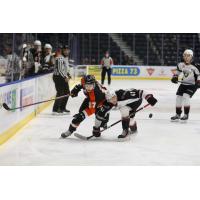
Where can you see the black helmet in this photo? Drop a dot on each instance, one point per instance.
(89, 79)
(65, 46)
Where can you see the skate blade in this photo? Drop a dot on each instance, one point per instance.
(183, 121)
(65, 113)
(59, 114)
(127, 138)
(177, 120)
(133, 133)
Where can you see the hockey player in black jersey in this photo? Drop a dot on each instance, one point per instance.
(189, 84)
(95, 97)
(127, 101)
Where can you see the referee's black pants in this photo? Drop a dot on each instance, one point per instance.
(103, 74)
(62, 88)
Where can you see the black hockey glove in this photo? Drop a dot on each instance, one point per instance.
(96, 132)
(75, 91)
(174, 79)
(151, 100)
(198, 83)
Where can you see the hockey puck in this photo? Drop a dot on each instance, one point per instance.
(150, 115)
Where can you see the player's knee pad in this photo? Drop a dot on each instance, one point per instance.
(125, 110)
(78, 118)
(186, 98)
(179, 101)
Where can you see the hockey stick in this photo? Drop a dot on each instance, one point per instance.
(39, 102)
(185, 83)
(87, 138)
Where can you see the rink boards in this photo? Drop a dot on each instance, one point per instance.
(41, 88)
(134, 72)
(21, 93)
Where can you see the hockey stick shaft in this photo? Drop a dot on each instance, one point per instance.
(89, 137)
(185, 83)
(121, 119)
(32, 104)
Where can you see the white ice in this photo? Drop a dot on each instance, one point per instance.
(158, 142)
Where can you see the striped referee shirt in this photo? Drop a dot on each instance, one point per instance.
(61, 68)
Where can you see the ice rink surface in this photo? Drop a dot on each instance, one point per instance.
(158, 142)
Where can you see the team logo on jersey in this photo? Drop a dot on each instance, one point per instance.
(150, 71)
(186, 73)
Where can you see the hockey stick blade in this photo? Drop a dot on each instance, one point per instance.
(82, 137)
(6, 106)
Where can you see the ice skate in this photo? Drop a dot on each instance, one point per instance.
(66, 134)
(66, 112)
(175, 118)
(184, 118)
(124, 134)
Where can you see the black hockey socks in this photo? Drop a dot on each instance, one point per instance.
(125, 123)
(178, 110)
(186, 110)
(72, 128)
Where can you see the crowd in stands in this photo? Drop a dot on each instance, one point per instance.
(35, 59)
(126, 60)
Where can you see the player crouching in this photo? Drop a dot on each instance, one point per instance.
(127, 101)
(95, 96)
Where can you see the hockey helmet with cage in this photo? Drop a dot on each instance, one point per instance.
(89, 79)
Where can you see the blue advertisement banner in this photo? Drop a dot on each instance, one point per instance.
(118, 70)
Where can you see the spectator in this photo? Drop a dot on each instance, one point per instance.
(13, 65)
(93, 61)
(47, 62)
(28, 65)
(86, 61)
(126, 60)
(37, 55)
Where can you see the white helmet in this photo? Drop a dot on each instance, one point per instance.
(37, 43)
(110, 95)
(24, 46)
(188, 52)
(47, 46)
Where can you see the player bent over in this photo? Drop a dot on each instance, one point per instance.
(127, 101)
(189, 84)
(95, 97)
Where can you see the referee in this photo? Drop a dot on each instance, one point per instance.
(61, 78)
(106, 63)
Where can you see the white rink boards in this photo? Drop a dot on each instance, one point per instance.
(158, 142)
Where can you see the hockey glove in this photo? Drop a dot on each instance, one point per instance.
(96, 132)
(198, 83)
(174, 79)
(151, 100)
(75, 91)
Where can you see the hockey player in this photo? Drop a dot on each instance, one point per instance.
(95, 96)
(127, 101)
(189, 84)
